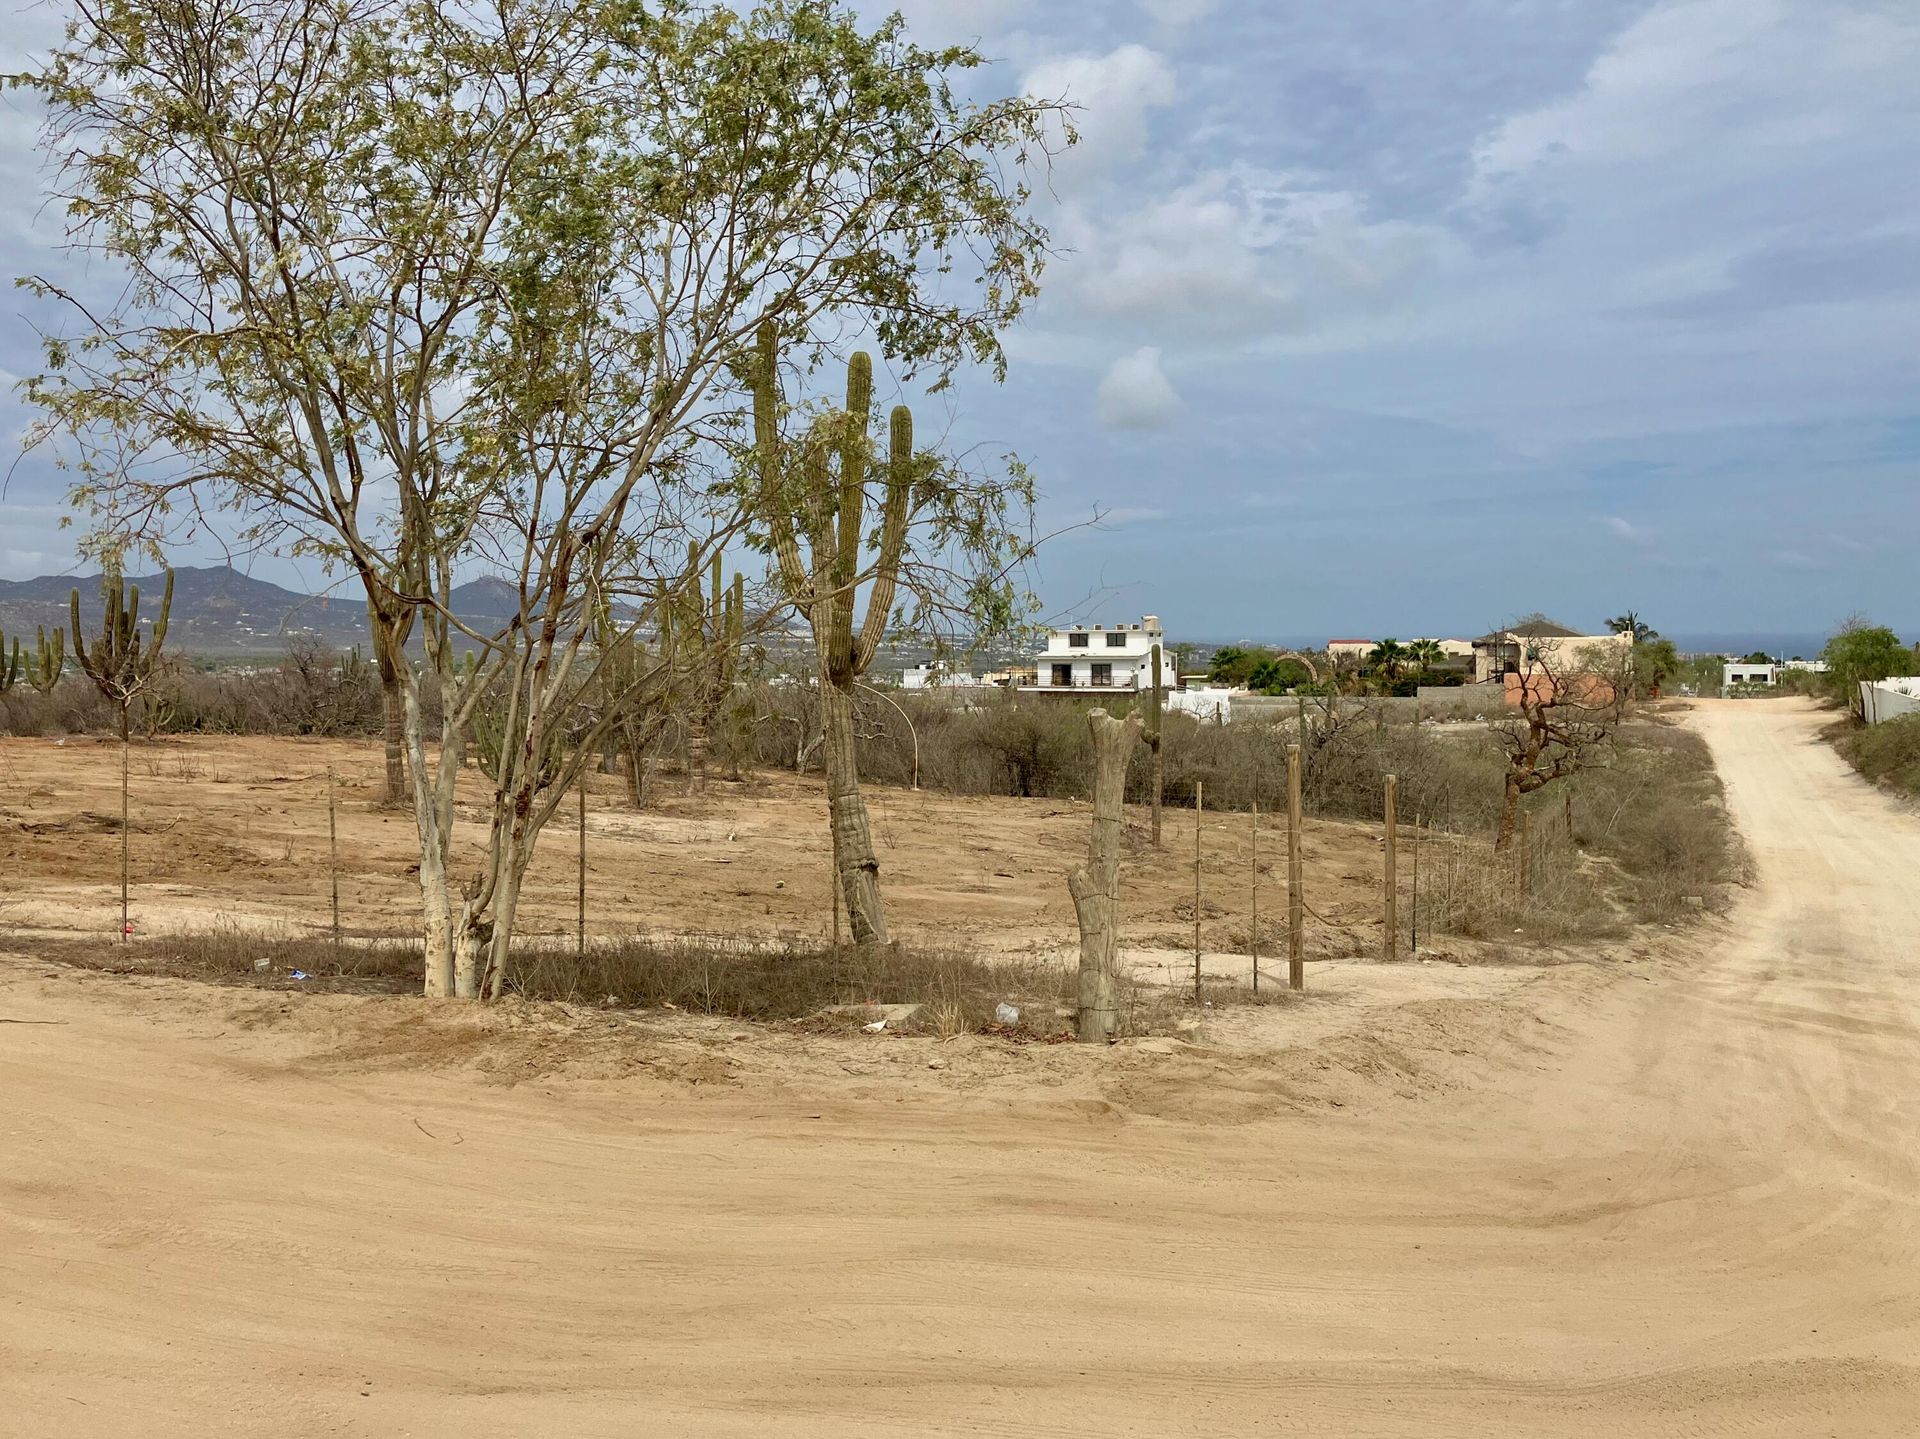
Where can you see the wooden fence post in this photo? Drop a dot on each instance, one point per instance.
(333, 861)
(1414, 936)
(1255, 931)
(580, 919)
(1391, 950)
(1296, 898)
(1157, 705)
(1199, 808)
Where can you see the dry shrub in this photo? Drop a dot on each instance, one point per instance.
(740, 978)
(228, 953)
(1642, 836)
(721, 975)
(1887, 753)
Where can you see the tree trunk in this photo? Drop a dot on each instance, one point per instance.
(396, 735)
(1095, 886)
(436, 910)
(393, 705)
(1509, 814)
(847, 812)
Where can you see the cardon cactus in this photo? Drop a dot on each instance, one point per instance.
(121, 662)
(47, 661)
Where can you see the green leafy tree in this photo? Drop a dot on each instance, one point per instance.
(1653, 661)
(1860, 652)
(1426, 654)
(1235, 664)
(424, 289)
(1279, 675)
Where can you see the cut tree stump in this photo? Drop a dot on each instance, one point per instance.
(1095, 886)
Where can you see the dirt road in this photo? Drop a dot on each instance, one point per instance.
(1673, 1197)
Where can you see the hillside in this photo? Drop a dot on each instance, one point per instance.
(220, 612)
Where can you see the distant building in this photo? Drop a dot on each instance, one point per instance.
(935, 675)
(1739, 672)
(1102, 657)
(1542, 644)
(1882, 700)
(1360, 649)
(1212, 704)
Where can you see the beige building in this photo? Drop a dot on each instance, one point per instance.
(1539, 643)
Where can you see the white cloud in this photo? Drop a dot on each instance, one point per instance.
(1240, 252)
(1177, 13)
(1135, 393)
(1115, 92)
(1627, 530)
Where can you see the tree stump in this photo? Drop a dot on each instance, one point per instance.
(1095, 886)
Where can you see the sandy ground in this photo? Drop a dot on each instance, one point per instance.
(235, 830)
(1672, 1193)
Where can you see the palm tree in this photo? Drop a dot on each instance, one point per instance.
(1425, 653)
(1631, 624)
(1387, 657)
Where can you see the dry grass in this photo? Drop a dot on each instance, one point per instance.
(742, 979)
(719, 975)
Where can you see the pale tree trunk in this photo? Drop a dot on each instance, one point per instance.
(1095, 886)
(847, 813)
(433, 817)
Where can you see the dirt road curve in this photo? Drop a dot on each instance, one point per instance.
(1686, 1201)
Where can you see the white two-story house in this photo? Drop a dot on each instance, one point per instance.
(1102, 657)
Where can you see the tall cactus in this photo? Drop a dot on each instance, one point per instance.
(701, 630)
(40, 667)
(122, 664)
(822, 585)
(48, 660)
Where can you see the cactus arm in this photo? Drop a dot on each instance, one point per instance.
(166, 609)
(79, 644)
(767, 450)
(851, 518)
(9, 669)
(893, 537)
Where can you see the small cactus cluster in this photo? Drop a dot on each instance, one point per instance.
(40, 668)
(701, 628)
(121, 662)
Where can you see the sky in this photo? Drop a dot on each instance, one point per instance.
(1407, 318)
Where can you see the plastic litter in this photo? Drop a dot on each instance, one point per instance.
(1006, 1014)
(299, 974)
(875, 1027)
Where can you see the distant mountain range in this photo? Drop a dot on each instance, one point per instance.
(220, 612)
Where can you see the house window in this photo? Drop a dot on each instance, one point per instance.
(1116, 640)
(1063, 675)
(1076, 642)
(1102, 674)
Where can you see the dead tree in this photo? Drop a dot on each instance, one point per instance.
(1565, 705)
(1095, 886)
